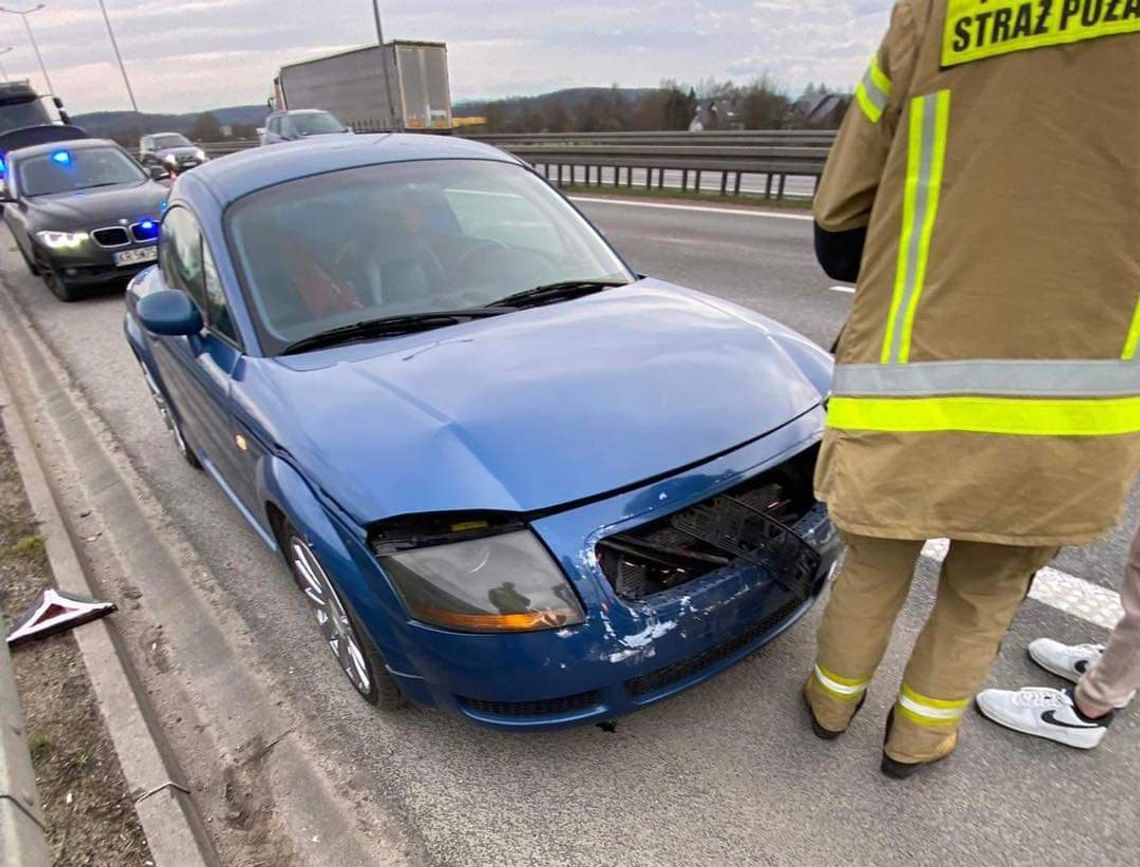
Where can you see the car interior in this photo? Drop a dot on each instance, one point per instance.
(406, 248)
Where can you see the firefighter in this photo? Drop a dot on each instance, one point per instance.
(984, 193)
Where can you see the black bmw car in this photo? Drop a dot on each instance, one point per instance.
(82, 212)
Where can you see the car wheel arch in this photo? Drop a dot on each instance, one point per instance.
(288, 499)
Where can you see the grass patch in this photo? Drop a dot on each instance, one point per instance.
(26, 546)
(748, 200)
(40, 747)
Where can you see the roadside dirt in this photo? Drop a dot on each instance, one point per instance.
(90, 815)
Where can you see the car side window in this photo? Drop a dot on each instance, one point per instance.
(188, 265)
(275, 124)
(217, 310)
(180, 255)
(286, 126)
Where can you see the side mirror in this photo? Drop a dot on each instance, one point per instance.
(158, 173)
(169, 312)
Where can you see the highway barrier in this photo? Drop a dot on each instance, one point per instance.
(723, 158)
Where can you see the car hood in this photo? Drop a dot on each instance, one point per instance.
(534, 409)
(101, 206)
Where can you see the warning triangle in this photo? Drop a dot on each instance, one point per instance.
(56, 612)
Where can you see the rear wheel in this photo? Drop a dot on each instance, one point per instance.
(355, 652)
(169, 420)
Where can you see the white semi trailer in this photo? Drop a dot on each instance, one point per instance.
(396, 86)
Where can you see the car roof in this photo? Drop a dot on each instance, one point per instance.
(234, 176)
(78, 144)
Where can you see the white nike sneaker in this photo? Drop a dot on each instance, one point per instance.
(1045, 713)
(1069, 661)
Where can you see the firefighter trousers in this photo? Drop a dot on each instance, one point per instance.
(980, 589)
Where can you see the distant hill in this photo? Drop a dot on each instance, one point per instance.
(127, 126)
(572, 98)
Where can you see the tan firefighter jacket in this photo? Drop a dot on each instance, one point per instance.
(987, 383)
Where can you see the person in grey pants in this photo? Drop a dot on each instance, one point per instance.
(1106, 678)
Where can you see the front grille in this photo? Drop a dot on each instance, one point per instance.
(749, 522)
(687, 668)
(112, 236)
(544, 707)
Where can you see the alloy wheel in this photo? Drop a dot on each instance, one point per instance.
(332, 618)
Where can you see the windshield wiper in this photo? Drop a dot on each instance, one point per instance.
(390, 326)
(564, 291)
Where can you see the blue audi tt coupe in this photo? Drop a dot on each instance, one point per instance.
(514, 479)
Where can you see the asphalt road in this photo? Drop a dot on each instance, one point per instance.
(725, 774)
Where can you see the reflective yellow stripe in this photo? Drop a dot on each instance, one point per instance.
(977, 29)
(1133, 336)
(842, 688)
(926, 159)
(872, 111)
(995, 415)
(878, 77)
(873, 91)
(937, 703)
(928, 711)
(934, 192)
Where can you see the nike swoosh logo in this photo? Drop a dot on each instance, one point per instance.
(1051, 718)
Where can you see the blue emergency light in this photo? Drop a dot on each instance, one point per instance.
(63, 158)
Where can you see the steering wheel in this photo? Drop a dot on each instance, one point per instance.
(481, 248)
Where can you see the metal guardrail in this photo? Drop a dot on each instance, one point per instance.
(774, 155)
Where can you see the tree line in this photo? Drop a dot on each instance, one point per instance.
(759, 104)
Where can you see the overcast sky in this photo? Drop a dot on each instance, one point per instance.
(185, 55)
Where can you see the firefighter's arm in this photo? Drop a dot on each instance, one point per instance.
(851, 179)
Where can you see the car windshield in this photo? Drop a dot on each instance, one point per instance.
(171, 140)
(405, 239)
(316, 123)
(17, 115)
(65, 170)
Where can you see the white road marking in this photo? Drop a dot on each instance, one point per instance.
(776, 215)
(1060, 590)
(846, 290)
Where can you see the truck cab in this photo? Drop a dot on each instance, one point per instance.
(21, 106)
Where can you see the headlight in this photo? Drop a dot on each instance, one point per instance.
(62, 240)
(170, 160)
(200, 155)
(503, 583)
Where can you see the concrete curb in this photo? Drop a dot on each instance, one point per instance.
(170, 820)
(23, 842)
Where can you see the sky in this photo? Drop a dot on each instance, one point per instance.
(189, 55)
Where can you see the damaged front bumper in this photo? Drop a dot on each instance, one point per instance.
(629, 653)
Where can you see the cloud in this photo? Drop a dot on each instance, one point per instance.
(192, 54)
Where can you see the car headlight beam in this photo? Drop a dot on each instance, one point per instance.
(62, 240)
(499, 583)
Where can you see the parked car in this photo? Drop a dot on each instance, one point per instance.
(283, 126)
(513, 479)
(82, 212)
(170, 150)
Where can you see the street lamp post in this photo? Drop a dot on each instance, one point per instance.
(3, 70)
(118, 56)
(376, 15)
(24, 13)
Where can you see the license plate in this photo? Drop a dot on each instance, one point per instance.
(136, 256)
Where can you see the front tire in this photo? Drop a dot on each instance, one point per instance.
(358, 656)
(59, 287)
